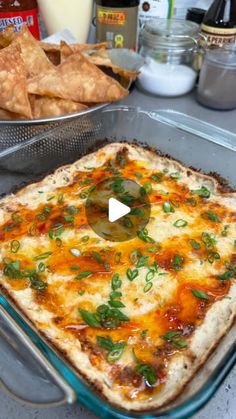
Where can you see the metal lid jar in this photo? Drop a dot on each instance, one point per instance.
(167, 40)
(173, 43)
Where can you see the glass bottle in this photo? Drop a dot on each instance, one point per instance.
(117, 22)
(219, 23)
(19, 12)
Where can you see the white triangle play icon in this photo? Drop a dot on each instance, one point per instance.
(117, 210)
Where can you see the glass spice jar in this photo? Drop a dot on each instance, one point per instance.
(170, 49)
(217, 83)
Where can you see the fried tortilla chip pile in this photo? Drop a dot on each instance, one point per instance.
(40, 80)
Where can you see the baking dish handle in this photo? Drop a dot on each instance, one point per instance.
(10, 331)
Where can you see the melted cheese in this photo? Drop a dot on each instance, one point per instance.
(167, 305)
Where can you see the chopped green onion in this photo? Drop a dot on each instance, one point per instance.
(210, 215)
(144, 333)
(143, 235)
(127, 222)
(152, 250)
(43, 256)
(157, 177)
(74, 268)
(116, 185)
(167, 207)
(148, 287)
(121, 159)
(72, 210)
(150, 275)
(85, 239)
(115, 355)
(146, 189)
(41, 267)
(98, 257)
(84, 274)
(226, 275)
(15, 246)
(177, 263)
(36, 283)
(180, 343)
(60, 198)
(83, 195)
(212, 256)
(200, 294)
(116, 282)
(208, 240)
(118, 257)
(90, 319)
(69, 218)
(224, 233)
(142, 261)
(162, 192)
(195, 245)
(175, 175)
(180, 223)
(203, 192)
(105, 342)
(116, 304)
(132, 274)
(16, 217)
(171, 335)
(135, 256)
(148, 373)
(115, 294)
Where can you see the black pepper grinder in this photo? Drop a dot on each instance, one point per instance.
(117, 22)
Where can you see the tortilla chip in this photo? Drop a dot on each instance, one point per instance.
(33, 56)
(99, 58)
(79, 80)
(9, 116)
(13, 88)
(75, 47)
(7, 36)
(54, 57)
(66, 51)
(102, 59)
(43, 106)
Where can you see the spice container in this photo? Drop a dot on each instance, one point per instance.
(170, 48)
(117, 22)
(217, 86)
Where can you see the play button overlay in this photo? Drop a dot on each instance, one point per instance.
(117, 208)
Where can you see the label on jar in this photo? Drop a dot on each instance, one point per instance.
(117, 26)
(155, 9)
(29, 17)
(218, 36)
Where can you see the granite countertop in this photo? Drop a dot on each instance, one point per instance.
(223, 404)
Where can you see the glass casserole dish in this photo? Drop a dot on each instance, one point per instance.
(191, 141)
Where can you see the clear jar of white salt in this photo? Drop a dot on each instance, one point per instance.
(170, 48)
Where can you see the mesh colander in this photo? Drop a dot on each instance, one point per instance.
(15, 132)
